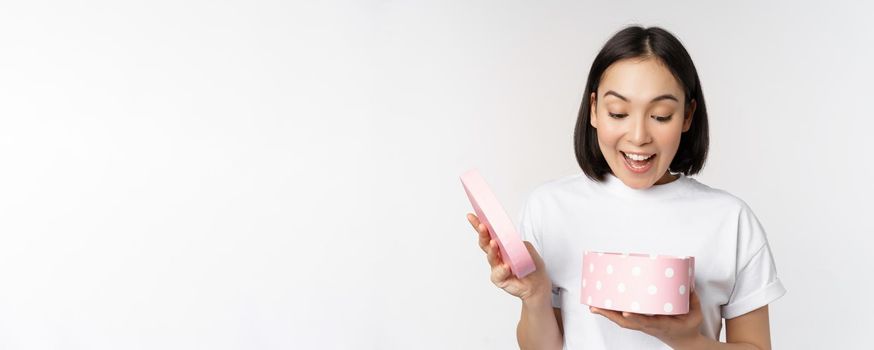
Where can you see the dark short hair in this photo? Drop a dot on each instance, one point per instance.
(639, 42)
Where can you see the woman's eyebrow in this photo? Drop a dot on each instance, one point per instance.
(658, 98)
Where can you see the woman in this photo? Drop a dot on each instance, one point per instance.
(642, 129)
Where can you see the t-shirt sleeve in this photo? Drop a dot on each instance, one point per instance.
(756, 282)
(529, 229)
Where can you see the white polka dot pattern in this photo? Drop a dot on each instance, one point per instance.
(640, 283)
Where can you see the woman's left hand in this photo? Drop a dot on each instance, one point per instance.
(673, 330)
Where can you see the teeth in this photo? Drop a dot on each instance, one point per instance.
(637, 157)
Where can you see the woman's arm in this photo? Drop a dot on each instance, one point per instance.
(538, 328)
(557, 312)
(540, 325)
(748, 331)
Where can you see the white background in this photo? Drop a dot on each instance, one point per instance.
(269, 175)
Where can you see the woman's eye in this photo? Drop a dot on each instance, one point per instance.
(623, 115)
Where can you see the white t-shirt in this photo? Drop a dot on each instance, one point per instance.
(734, 269)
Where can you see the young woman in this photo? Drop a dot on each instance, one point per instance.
(642, 129)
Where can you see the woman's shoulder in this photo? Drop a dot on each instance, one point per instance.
(561, 190)
(703, 192)
(560, 185)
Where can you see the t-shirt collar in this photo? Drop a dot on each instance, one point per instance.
(614, 185)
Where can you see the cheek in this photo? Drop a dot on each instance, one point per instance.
(668, 141)
(673, 136)
(608, 137)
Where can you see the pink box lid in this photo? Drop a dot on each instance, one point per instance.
(501, 228)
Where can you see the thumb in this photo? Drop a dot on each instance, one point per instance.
(694, 302)
(538, 262)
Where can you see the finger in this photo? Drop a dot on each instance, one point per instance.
(480, 229)
(616, 317)
(642, 321)
(476, 224)
(500, 274)
(694, 302)
(473, 220)
(633, 318)
(483, 236)
(492, 255)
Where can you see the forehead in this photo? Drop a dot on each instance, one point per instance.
(639, 79)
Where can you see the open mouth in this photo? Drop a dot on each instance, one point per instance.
(638, 165)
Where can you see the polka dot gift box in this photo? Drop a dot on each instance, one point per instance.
(641, 283)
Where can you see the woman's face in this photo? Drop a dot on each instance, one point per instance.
(638, 110)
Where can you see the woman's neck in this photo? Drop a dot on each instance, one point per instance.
(667, 178)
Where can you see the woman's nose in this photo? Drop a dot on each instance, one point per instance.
(639, 134)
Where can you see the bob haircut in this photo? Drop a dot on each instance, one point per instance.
(639, 42)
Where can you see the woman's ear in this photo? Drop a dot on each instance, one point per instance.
(593, 118)
(687, 120)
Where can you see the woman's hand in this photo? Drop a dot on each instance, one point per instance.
(673, 330)
(534, 286)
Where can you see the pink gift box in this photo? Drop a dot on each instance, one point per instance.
(641, 283)
(501, 228)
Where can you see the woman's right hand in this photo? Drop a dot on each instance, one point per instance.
(534, 286)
